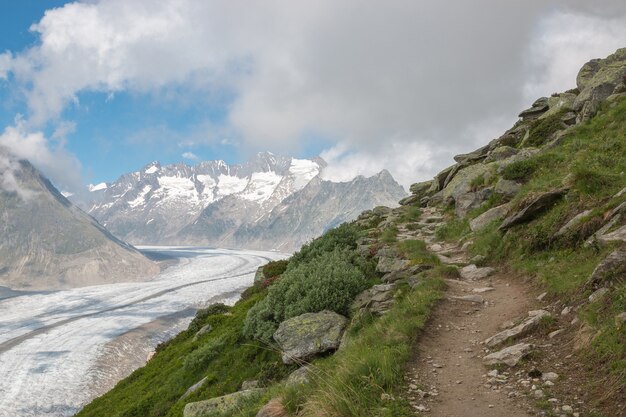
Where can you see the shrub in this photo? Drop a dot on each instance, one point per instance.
(199, 359)
(520, 170)
(275, 268)
(203, 313)
(328, 282)
(343, 236)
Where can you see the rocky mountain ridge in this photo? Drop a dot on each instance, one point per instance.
(260, 204)
(46, 242)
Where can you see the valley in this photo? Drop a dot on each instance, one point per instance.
(57, 349)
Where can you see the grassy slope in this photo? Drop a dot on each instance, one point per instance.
(592, 162)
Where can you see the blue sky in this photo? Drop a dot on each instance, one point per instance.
(118, 133)
(99, 88)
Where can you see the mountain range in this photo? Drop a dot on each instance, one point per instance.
(269, 202)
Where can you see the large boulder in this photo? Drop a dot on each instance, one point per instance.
(309, 334)
(508, 356)
(222, 404)
(472, 157)
(420, 188)
(560, 102)
(518, 331)
(462, 181)
(618, 235)
(489, 216)
(465, 202)
(597, 80)
(377, 299)
(573, 223)
(300, 376)
(532, 208)
(500, 153)
(388, 264)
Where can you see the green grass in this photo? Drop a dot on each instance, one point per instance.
(389, 235)
(417, 253)
(223, 355)
(350, 383)
(453, 230)
(410, 214)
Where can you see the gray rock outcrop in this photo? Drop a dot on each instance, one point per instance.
(309, 334)
(533, 208)
(508, 356)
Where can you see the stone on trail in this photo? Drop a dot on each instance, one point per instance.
(309, 334)
(471, 298)
(518, 331)
(472, 272)
(386, 265)
(509, 356)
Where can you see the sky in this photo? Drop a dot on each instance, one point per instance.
(93, 89)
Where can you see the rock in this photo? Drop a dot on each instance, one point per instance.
(567, 409)
(610, 271)
(489, 216)
(550, 376)
(461, 182)
(538, 394)
(539, 107)
(411, 200)
(511, 137)
(541, 296)
(472, 272)
(472, 157)
(598, 294)
(300, 376)
(560, 102)
(597, 80)
(387, 252)
(468, 201)
(222, 404)
(507, 188)
(377, 299)
(566, 311)
(309, 334)
(259, 276)
(574, 221)
(533, 208)
(509, 356)
(478, 259)
(274, 408)
(420, 188)
(618, 235)
(500, 153)
(483, 290)
(620, 320)
(248, 385)
(203, 330)
(440, 178)
(411, 271)
(470, 298)
(518, 331)
(193, 388)
(386, 264)
(555, 333)
(594, 239)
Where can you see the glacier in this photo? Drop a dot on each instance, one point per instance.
(55, 347)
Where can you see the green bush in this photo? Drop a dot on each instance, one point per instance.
(328, 282)
(520, 170)
(275, 268)
(343, 236)
(410, 214)
(199, 359)
(203, 313)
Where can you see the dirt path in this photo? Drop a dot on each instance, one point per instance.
(447, 377)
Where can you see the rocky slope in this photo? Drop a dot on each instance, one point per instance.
(47, 243)
(269, 202)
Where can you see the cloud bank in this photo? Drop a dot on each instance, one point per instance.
(395, 84)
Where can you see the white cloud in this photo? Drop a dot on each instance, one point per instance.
(55, 161)
(8, 181)
(396, 84)
(5, 64)
(565, 41)
(190, 155)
